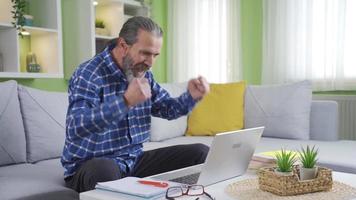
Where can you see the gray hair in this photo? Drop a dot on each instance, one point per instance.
(131, 27)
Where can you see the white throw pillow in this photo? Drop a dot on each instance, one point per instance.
(162, 129)
(284, 110)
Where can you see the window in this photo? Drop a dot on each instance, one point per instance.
(310, 39)
(203, 39)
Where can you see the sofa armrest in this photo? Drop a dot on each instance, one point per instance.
(324, 118)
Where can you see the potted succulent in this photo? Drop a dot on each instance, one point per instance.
(285, 161)
(308, 159)
(100, 27)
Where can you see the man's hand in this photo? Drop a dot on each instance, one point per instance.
(138, 91)
(198, 87)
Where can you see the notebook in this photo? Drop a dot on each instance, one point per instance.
(132, 186)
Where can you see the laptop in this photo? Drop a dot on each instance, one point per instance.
(229, 156)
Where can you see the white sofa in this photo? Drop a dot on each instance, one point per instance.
(32, 132)
(340, 155)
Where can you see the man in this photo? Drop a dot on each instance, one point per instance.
(111, 99)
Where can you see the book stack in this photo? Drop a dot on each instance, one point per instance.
(265, 159)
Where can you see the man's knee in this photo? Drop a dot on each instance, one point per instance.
(103, 170)
(94, 171)
(201, 151)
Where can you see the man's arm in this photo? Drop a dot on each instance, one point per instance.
(86, 114)
(164, 106)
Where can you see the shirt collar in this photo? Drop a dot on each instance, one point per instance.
(109, 61)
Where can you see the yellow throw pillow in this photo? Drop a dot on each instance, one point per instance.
(219, 111)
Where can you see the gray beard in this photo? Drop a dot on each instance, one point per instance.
(129, 69)
(127, 63)
(129, 75)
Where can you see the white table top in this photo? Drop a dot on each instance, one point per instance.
(216, 190)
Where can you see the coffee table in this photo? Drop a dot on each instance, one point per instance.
(216, 190)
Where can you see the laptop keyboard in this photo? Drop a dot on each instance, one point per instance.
(188, 179)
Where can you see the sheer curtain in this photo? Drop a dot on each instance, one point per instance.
(310, 39)
(203, 39)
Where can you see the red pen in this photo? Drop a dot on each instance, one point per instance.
(154, 183)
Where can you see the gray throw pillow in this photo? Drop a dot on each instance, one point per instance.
(12, 134)
(44, 116)
(284, 110)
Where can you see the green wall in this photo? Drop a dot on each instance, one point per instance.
(49, 84)
(159, 15)
(251, 40)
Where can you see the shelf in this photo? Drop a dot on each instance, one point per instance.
(111, 14)
(39, 30)
(45, 13)
(6, 26)
(134, 8)
(9, 49)
(81, 42)
(29, 75)
(104, 37)
(44, 40)
(132, 3)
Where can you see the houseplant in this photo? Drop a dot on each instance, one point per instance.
(18, 13)
(285, 161)
(308, 159)
(100, 27)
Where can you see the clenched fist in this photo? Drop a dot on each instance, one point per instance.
(138, 91)
(198, 87)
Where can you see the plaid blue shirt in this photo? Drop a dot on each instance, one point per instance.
(99, 124)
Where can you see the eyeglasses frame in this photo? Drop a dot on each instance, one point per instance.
(186, 193)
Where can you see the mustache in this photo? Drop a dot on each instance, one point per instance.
(141, 67)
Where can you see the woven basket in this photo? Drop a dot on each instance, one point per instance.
(289, 185)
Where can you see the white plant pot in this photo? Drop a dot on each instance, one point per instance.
(307, 173)
(283, 173)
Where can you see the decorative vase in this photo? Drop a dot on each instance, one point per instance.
(32, 65)
(307, 173)
(28, 20)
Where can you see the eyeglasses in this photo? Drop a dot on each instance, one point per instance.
(189, 190)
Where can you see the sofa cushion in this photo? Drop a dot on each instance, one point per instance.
(284, 110)
(12, 134)
(219, 111)
(162, 129)
(32, 182)
(44, 119)
(337, 155)
(147, 146)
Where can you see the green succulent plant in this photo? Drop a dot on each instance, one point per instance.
(99, 23)
(285, 160)
(308, 157)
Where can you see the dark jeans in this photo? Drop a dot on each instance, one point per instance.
(150, 163)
